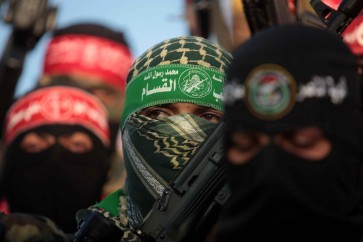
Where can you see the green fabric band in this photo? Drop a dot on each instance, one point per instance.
(112, 203)
(173, 84)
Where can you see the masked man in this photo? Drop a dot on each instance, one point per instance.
(56, 153)
(173, 102)
(293, 139)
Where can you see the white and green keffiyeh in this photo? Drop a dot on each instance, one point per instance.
(154, 152)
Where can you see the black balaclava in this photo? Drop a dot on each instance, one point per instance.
(287, 77)
(55, 182)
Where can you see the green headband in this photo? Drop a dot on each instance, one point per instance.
(174, 84)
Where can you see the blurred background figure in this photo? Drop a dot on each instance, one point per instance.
(231, 22)
(102, 25)
(221, 21)
(160, 19)
(55, 161)
(293, 139)
(97, 59)
(353, 34)
(353, 37)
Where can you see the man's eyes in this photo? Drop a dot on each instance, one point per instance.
(156, 112)
(161, 112)
(211, 116)
(309, 143)
(244, 146)
(76, 142)
(305, 137)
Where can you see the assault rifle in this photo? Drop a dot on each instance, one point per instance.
(339, 19)
(30, 20)
(190, 205)
(261, 14)
(188, 208)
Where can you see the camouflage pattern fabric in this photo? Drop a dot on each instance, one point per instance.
(19, 227)
(121, 220)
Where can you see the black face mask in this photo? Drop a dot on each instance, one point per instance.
(276, 195)
(55, 182)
